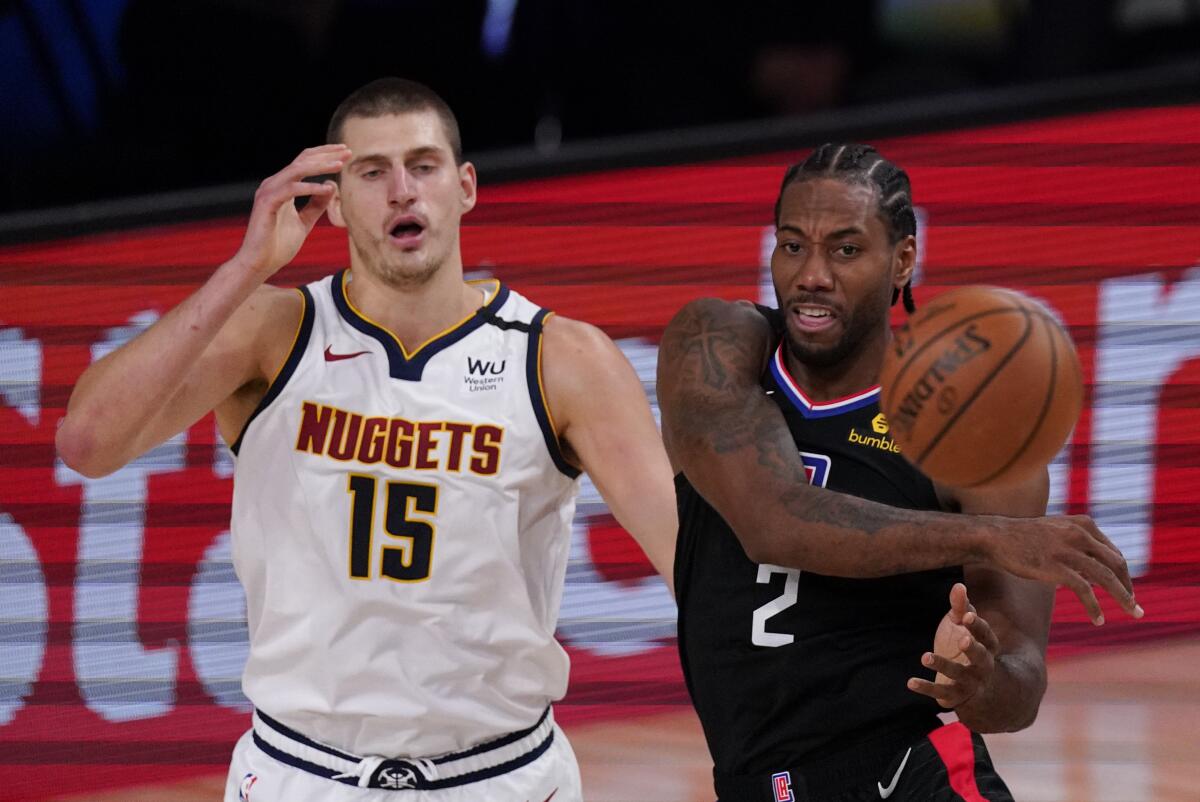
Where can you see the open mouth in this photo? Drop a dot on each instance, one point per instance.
(406, 232)
(813, 317)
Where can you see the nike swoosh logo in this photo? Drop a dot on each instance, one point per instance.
(884, 793)
(769, 392)
(330, 356)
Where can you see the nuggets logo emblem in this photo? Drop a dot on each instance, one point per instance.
(244, 788)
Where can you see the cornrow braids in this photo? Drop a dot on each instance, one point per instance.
(862, 164)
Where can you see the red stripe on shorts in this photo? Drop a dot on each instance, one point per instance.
(954, 747)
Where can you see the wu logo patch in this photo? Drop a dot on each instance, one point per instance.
(483, 375)
(781, 784)
(479, 367)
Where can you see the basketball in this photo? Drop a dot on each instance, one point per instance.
(981, 387)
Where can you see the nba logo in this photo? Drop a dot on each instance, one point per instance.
(244, 789)
(781, 784)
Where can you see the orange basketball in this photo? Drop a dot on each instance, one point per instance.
(981, 387)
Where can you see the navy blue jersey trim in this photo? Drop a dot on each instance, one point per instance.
(400, 366)
(537, 396)
(283, 729)
(289, 365)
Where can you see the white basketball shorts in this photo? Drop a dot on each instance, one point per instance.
(272, 763)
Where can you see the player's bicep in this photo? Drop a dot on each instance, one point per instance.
(238, 360)
(722, 431)
(604, 420)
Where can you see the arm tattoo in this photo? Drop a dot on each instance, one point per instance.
(709, 408)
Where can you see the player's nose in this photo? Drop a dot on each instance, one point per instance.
(401, 188)
(814, 274)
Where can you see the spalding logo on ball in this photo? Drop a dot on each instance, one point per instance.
(981, 386)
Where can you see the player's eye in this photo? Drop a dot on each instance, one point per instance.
(848, 251)
(424, 168)
(372, 173)
(791, 248)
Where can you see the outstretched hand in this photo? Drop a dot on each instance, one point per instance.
(277, 228)
(964, 654)
(1065, 550)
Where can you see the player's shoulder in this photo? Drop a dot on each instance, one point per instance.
(566, 341)
(742, 319)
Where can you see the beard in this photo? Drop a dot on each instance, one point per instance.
(398, 274)
(857, 327)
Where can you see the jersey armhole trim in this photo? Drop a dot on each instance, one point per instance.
(537, 395)
(299, 345)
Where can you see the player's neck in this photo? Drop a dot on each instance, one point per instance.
(856, 372)
(419, 313)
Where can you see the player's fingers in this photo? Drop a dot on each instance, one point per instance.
(943, 665)
(947, 696)
(1081, 588)
(306, 165)
(317, 205)
(1107, 553)
(959, 603)
(982, 631)
(1098, 571)
(318, 164)
(976, 653)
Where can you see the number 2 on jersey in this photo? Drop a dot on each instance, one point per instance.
(817, 468)
(412, 558)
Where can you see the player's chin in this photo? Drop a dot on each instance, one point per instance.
(816, 348)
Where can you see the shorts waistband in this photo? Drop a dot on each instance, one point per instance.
(827, 773)
(491, 759)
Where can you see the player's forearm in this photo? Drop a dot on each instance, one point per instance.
(734, 446)
(1010, 700)
(118, 395)
(831, 533)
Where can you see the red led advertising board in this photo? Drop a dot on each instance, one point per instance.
(121, 631)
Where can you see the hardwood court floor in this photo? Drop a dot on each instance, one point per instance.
(1122, 726)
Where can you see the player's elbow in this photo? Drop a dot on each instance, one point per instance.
(759, 546)
(78, 447)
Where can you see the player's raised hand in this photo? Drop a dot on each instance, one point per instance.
(277, 228)
(1065, 550)
(964, 654)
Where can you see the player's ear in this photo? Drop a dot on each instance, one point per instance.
(335, 207)
(904, 261)
(468, 182)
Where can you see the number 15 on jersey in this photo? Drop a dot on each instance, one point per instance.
(409, 507)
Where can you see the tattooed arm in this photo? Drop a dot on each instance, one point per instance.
(733, 444)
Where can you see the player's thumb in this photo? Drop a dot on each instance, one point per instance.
(959, 602)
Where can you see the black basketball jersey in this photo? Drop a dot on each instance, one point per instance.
(782, 664)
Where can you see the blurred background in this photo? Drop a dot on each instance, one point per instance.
(629, 156)
(106, 98)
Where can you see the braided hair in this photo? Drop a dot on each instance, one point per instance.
(862, 164)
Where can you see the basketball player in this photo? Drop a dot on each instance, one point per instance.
(408, 451)
(812, 622)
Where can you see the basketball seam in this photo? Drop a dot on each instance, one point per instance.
(937, 439)
(1041, 416)
(895, 382)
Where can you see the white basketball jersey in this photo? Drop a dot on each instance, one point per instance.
(401, 524)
